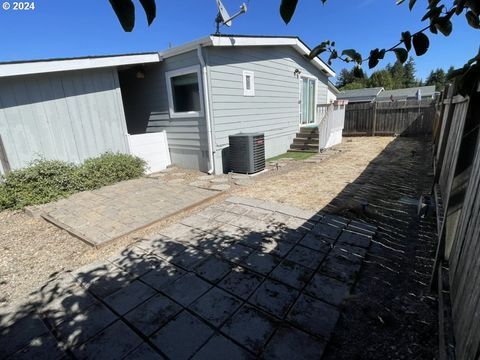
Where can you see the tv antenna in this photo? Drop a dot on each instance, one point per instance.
(223, 18)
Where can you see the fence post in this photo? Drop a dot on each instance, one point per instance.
(374, 123)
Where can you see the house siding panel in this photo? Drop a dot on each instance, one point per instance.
(273, 110)
(68, 116)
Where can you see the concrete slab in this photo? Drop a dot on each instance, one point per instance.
(152, 314)
(241, 282)
(215, 306)
(328, 289)
(144, 352)
(306, 257)
(221, 348)
(116, 210)
(129, 297)
(289, 343)
(182, 336)
(114, 342)
(260, 262)
(292, 274)
(213, 269)
(274, 298)
(250, 327)
(306, 309)
(187, 289)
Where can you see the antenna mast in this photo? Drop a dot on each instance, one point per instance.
(224, 19)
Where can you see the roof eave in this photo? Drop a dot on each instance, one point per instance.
(39, 67)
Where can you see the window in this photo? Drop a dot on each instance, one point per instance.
(184, 92)
(248, 83)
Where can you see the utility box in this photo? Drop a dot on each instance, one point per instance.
(247, 152)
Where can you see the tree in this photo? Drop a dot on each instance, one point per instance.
(398, 75)
(352, 79)
(381, 78)
(409, 73)
(438, 78)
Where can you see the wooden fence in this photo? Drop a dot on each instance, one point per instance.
(457, 194)
(390, 118)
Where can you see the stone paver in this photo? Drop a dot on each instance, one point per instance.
(116, 210)
(182, 336)
(241, 279)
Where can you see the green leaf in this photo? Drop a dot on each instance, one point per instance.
(407, 40)
(317, 51)
(125, 11)
(472, 19)
(353, 54)
(433, 13)
(411, 4)
(444, 26)
(150, 10)
(420, 43)
(287, 9)
(375, 56)
(402, 54)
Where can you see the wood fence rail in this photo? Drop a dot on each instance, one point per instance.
(389, 118)
(456, 144)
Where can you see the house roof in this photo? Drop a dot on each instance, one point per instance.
(403, 94)
(333, 88)
(250, 40)
(360, 95)
(89, 62)
(67, 64)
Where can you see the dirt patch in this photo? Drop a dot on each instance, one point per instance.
(312, 185)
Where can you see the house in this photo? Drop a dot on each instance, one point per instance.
(357, 96)
(197, 94)
(414, 93)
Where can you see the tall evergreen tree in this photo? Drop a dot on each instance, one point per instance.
(398, 74)
(438, 78)
(409, 74)
(381, 78)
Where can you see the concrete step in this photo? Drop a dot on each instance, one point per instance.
(302, 151)
(305, 130)
(306, 136)
(298, 141)
(312, 147)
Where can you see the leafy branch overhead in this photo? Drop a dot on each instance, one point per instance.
(125, 11)
(439, 17)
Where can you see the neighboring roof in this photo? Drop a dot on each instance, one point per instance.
(67, 64)
(89, 62)
(333, 88)
(360, 95)
(403, 94)
(250, 40)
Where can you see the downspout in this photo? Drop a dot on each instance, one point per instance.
(208, 118)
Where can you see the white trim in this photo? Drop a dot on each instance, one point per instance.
(300, 83)
(38, 67)
(184, 71)
(251, 91)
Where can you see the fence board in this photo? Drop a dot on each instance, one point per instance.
(457, 157)
(390, 118)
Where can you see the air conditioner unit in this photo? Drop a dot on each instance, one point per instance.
(247, 153)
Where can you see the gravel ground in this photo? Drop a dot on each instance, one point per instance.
(33, 249)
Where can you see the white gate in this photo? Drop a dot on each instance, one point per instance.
(151, 147)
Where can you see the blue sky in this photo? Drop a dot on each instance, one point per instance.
(66, 28)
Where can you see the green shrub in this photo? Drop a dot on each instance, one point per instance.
(108, 169)
(49, 180)
(41, 182)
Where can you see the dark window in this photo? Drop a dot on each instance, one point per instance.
(185, 93)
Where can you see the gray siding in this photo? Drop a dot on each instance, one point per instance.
(273, 110)
(68, 116)
(146, 108)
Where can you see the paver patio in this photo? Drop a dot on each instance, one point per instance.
(102, 215)
(240, 279)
